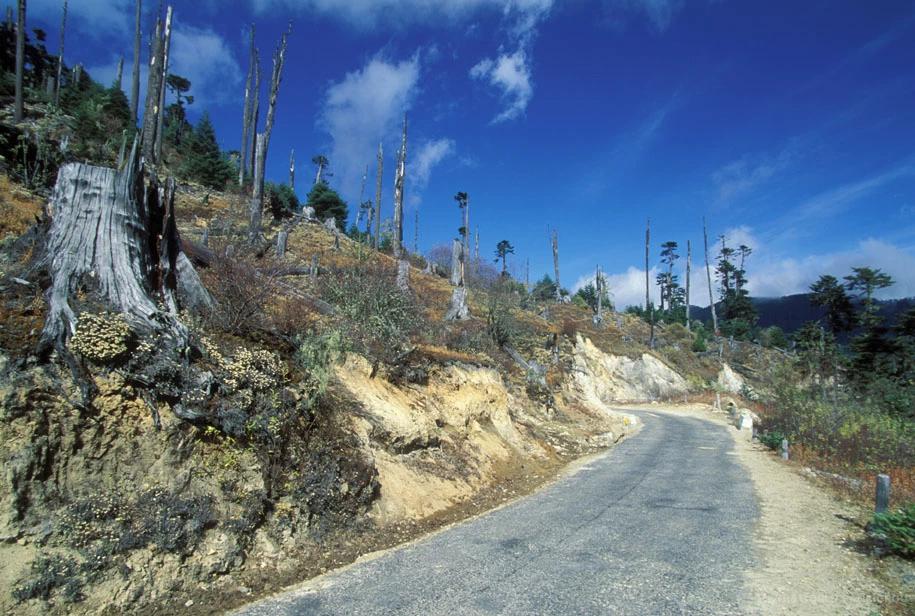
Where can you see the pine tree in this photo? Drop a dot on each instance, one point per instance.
(204, 163)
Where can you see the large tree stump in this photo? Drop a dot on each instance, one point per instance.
(113, 235)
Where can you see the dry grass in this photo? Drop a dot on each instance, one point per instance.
(19, 209)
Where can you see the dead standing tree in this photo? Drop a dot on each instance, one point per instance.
(263, 142)
(689, 262)
(246, 114)
(135, 81)
(112, 234)
(18, 105)
(378, 197)
(60, 57)
(708, 275)
(403, 264)
(160, 109)
(554, 242)
(153, 89)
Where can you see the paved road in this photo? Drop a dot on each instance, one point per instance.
(661, 524)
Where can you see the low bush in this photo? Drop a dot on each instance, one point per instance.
(898, 529)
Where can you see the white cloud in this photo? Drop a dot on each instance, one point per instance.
(370, 13)
(362, 109)
(200, 55)
(790, 276)
(204, 57)
(626, 288)
(103, 17)
(511, 74)
(429, 154)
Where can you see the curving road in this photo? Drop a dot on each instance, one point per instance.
(660, 524)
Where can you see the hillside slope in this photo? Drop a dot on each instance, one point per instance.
(140, 481)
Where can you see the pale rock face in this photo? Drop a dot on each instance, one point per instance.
(730, 381)
(601, 378)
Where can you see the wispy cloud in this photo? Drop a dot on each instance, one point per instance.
(661, 13)
(835, 201)
(197, 54)
(95, 18)
(372, 13)
(429, 154)
(204, 57)
(511, 74)
(362, 109)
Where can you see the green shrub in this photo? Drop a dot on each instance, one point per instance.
(381, 316)
(898, 528)
(772, 440)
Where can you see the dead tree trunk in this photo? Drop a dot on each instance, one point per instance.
(18, 105)
(554, 241)
(458, 310)
(257, 198)
(647, 244)
(120, 74)
(60, 57)
(457, 264)
(263, 142)
(708, 276)
(255, 113)
(360, 209)
(135, 82)
(292, 169)
(153, 85)
(689, 261)
(398, 193)
(599, 286)
(378, 197)
(112, 235)
(246, 116)
(648, 305)
(160, 110)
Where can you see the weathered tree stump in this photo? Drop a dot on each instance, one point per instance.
(458, 310)
(113, 235)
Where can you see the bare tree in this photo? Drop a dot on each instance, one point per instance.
(292, 169)
(648, 305)
(255, 110)
(18, 105)
(689, 262)
(599, 286)
(554, 242)
(708, 275)
(135, 82)
(263, 142)
(398, 193)
(120, 74)
(60, 56)
(378, 197)
(153, 86)
(361, 208)
(160, 110)
(246, 114)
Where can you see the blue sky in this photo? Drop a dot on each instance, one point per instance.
(789, 125)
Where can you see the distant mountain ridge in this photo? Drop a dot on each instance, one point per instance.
(792, 311)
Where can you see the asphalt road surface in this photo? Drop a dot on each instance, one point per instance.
(660, 524)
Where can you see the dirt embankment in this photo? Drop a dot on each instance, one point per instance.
(129, 508)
